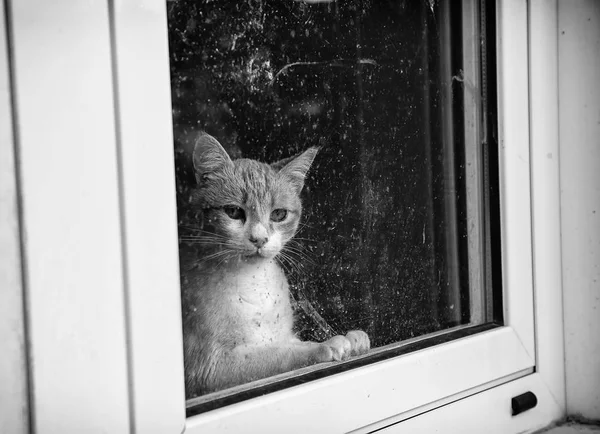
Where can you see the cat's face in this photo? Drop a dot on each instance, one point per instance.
(249, 209)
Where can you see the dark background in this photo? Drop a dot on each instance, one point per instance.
(363, 80)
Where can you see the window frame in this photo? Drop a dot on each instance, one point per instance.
(513, 343)
(13, 366)
(134, 310)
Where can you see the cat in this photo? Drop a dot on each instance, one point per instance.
(237, 316)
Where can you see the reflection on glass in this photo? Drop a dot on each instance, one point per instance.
(388, 242)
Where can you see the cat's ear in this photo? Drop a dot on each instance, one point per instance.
(295, 168)
(209, 157)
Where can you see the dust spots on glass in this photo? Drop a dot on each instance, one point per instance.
(364, 82)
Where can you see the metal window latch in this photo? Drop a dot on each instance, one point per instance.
(523, 402)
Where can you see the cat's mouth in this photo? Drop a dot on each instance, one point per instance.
(258, 254)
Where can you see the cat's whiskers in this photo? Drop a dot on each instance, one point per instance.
(210, 239)
(297, 241)
(283, 264)
(286, 265)
(226, 258)
(206, 234)
(204, 241)
(297, 254)
(188, 227)
(215, 255)
(221, 256)
(290, 261)
(302, 251)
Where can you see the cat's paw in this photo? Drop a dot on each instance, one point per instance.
(340, 347)
(359, 342)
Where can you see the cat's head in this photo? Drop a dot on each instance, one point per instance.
(248, 209)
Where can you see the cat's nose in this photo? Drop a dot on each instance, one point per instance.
(258, 235)
(259, 241)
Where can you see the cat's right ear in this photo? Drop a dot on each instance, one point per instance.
(209, 157)
(296, 167)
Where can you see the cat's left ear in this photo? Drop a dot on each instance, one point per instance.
(209, 157)
(295, 168)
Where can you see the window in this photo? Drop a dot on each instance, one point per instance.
(109, 297)
(395, 235)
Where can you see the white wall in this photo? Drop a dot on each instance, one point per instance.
(579, 114)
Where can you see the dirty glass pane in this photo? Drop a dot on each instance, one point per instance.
(394, 222)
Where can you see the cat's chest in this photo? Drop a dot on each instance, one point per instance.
(260, 299)
(257, 289)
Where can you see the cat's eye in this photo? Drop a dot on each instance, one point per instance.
(234, 212)
(279, 215)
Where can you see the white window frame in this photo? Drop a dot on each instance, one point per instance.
(95, 168)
